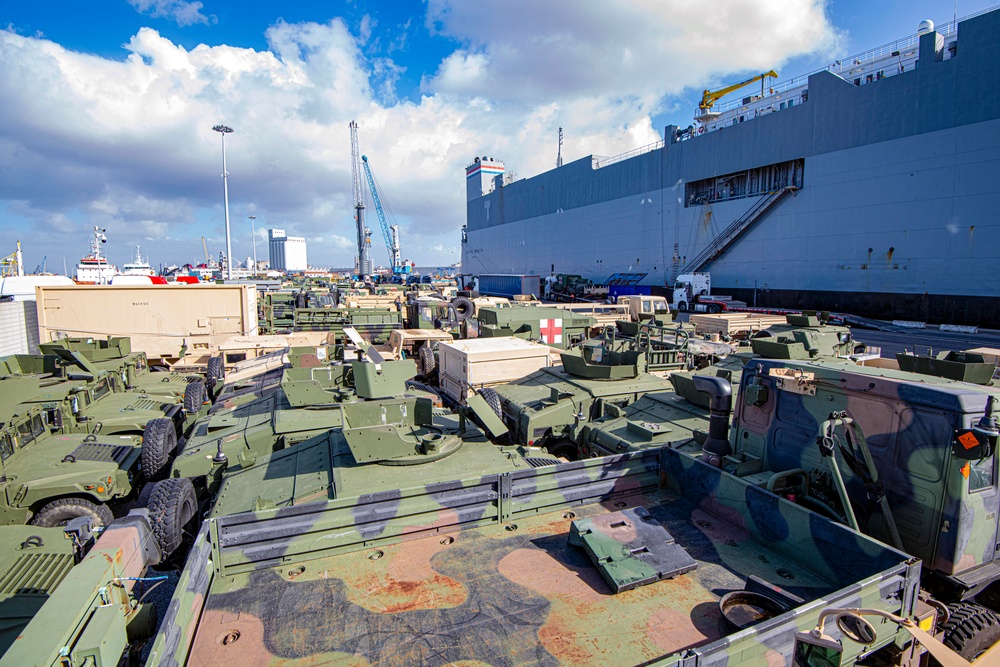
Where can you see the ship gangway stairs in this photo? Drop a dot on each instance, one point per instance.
(741, 226)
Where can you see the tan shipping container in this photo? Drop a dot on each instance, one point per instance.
(483, 362)
(161, 320)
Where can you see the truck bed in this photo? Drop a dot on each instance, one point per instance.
(483, 571)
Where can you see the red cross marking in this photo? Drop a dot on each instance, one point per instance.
(551, 331)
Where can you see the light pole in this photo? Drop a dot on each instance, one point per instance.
(253, 226)
(224, 130)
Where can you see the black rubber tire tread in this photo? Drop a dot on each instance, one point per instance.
(172, 504)
(428, 362)
(159, 444)
(970, 630)
(493, 400)
(682, 306)
(464, 308)
(563, 448)
(713, 309)
(194, 396)
(216, 372)
(58, 512)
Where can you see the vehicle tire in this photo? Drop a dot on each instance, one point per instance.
(58, 512)
(682, 306)
(172, 506)
(428, 362)
(159, 444)
(493, 400)
(713, 309)
(464, 308)
(194, 396)
(970, 630)
(564, 448)
(216, 372)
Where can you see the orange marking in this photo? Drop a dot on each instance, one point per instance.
(966, 469)
(968, 440)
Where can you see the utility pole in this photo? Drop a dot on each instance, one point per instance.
(364, 235)
(224, 130)
(559, 155)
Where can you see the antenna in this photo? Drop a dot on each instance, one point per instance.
(559, 155)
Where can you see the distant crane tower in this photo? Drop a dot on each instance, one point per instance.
(389, 233)
(559, 155)
(364, 235)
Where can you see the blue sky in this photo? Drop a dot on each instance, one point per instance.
(106, 113)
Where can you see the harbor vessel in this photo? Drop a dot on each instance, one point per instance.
(870, 186)
(95, 267)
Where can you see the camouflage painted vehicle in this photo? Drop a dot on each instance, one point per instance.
(310, 400)
(115, 355)
(70, 601)
(907, 459)
(630, 559)
(550, 407)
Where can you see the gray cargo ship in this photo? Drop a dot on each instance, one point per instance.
(872, 186)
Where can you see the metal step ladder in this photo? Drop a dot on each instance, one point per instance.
(733, 232)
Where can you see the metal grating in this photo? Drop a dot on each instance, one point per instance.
(539, 461)
(146, 404)
(96, 451)
(35, 573)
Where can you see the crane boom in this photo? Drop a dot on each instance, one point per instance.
(359, 205)
(391, 237)
(709, 97)
(204, 246)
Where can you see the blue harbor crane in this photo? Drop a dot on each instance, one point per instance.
(389, 232)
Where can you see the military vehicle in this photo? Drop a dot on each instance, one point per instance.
(549, 407)
(115, 355)
(632, 559)
(301, 311)
(552, 326)
(49, 478)
(69, 601)
(77, 397)
(908, 459)
(310, 400)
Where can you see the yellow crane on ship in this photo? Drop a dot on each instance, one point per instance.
(710, 97)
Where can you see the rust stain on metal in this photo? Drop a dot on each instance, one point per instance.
(672, 630)
(540, 572)
(248, 649)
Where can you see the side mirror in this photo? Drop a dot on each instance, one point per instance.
(814, 649)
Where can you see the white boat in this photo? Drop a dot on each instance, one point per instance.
(95, 268)
(137, 267)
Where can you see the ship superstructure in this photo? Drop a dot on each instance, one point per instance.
(871, 186)
(95, 268)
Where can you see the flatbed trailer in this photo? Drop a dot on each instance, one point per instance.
(495, 569)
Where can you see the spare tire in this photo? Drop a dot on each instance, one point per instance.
(172, 507)
(159, 444)
(464, 308)
(194, 396)
(59, 512)
(216, 371)
(493, 400)
(428, 362)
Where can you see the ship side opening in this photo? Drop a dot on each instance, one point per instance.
(746, 183)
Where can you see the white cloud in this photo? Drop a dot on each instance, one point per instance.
(128, 144)
(184, 13)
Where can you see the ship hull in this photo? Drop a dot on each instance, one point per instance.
(898, 210)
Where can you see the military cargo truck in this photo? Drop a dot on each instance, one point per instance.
(627, 560)
(905, 458)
